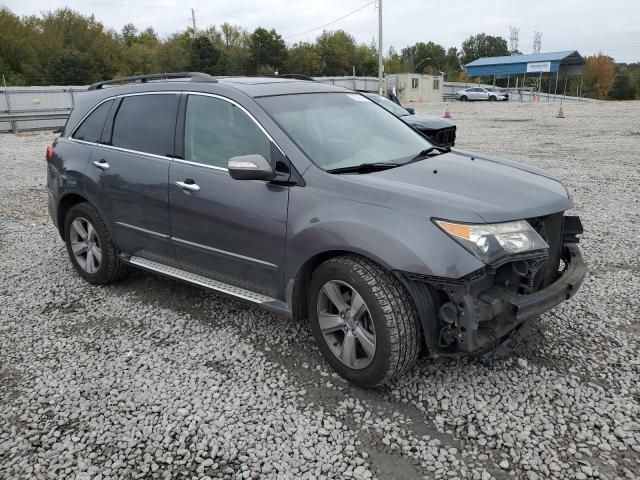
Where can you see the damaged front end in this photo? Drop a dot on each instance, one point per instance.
(476, 313)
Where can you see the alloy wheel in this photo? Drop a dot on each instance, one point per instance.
(346, 324)
(85, 245)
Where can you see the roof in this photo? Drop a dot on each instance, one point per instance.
(517, 64)
(266, 86)
(252, 86)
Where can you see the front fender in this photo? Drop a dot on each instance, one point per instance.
(396, 240)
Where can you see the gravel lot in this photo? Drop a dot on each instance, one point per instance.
(150, 378)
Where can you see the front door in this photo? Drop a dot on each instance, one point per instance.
(230, 230)
(128, 171)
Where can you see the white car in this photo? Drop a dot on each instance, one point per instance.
(479, 93)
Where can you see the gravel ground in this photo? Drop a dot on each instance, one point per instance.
(150, 378)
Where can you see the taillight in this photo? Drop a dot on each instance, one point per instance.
(49, 153)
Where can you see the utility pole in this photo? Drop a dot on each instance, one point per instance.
(380, 64)
(193, 21)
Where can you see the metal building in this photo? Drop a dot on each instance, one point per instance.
(415, 87)
(517, 68)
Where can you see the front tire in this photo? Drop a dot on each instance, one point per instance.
(463, 98)
(363, 320)
(492, 98)
(90, 247)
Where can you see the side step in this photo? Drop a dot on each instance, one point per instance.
(208, 283)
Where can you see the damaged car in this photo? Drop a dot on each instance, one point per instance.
(310, 200)
(438, 130)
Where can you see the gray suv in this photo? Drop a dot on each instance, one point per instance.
(313, 201)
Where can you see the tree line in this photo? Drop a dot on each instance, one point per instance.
(64, 47)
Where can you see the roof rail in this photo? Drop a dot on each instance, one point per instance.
(194, 76)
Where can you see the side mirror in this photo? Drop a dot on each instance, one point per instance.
(250, 167)
(410, 110)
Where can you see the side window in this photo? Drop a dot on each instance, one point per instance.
(91, 129)
(414, 83)
(146, 123)
(436, 84)
(216, 130)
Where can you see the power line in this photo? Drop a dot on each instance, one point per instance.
(331, 22)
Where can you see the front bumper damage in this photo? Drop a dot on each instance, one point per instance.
(475, 314)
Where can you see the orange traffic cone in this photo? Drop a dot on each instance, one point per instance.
(446, 113)
(561, 112)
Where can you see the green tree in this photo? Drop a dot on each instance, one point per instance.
(452, 66)
(70, 67)
(623, 89)
(393, 63)
(66, 29)
(337, 50)
(482, 45)
(424, 57)
(204, 56)
(267, 50)
(129, 34)
(304, 58)
(236, 47)
(174, 54)
(19, 62)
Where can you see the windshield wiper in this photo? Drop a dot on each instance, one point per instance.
(365, 168)
(427, 152)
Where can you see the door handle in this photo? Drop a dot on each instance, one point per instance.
(101, 164)
(188, 185)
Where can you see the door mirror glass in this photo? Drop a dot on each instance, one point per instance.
(250, 167)
(410, 110)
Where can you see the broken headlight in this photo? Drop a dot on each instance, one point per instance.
(491, 241)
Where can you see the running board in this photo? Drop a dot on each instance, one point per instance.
(207, 283)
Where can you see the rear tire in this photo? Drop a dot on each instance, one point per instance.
(390, 319)
(90, 247)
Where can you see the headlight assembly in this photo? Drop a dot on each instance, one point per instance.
(491, 241)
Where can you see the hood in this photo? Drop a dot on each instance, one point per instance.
(427, 122)
(457, 185)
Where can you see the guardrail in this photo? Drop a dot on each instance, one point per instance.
(14, 117)
(36, 108)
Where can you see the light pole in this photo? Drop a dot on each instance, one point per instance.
(421, 61)
(380, 64)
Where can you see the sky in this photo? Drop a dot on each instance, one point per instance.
(589, 26)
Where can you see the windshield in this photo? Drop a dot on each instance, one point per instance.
(338, 130)
(387, 104)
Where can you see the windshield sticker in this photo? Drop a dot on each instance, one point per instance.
(359, 98)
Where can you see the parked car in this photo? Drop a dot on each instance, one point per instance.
(439, 130)
(478, 93)
(310, 200)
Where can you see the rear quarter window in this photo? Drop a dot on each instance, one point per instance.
(146, 123)
(90, 130)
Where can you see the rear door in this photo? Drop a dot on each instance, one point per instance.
(127, 175)
(230, 230)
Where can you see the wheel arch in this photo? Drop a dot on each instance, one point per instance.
(300, 283)
(65, 204)
(425, 298)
